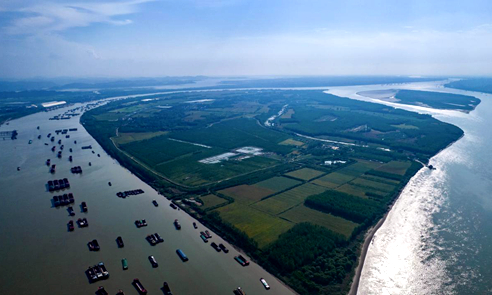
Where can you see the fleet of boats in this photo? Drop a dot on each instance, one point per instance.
(98, 272)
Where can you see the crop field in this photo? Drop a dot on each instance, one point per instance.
(288, 114)
(261, 227)
(277, 183)
(211, 201)
(333, 179)
(109, 116)
(361, 182)
(337, 224)
(188, 171)
(159, 149)
(405, 126)
(305, 173)
(293, 142)
(288, 199)
(125, 138)
(247, 194)
(380, 179)
(236, 133)
(359, 168)
(395, 167)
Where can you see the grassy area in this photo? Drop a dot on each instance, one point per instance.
(261, 227)
(211, 200)
(333, 179)
(365, 183)
(305, 173)
(395, 167)
(293, 142)
(188, 171)
(235, 134)
(247, 194)
(124, 138)
(405, 126)
(337, 224)
(277, 183)
(160, 149)
(353, 190)
(359, 168)
(438, 100)
(288, 199)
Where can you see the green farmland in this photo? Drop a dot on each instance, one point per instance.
(277, 189)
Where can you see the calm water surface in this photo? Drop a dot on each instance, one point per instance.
(39, 256)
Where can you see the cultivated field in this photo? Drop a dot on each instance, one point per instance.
(247, 194)
(211, 201)
(288, 199)
(305, 173)
(337, 224)
(277, 183)
(395, 167)
(261, 227)
(125, 138)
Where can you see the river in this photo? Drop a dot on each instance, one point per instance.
(39, 255)
(437, 238)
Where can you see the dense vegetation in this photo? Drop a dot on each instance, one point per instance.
(438, 100)
(474, 84)
(344, 205)
(366, 122)
(310, 257)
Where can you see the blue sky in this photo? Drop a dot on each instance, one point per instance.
(236, 37)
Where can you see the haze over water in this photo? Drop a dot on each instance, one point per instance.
(437, 238)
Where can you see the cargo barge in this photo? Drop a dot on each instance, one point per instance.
(182, 255)
(119, 242)
(140, 288)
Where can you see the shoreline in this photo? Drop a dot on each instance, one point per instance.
(369, 235)
(354, 286)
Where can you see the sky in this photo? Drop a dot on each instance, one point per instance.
(150, 38)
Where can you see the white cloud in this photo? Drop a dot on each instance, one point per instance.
(56, 17)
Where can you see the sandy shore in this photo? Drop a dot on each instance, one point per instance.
(367, 241)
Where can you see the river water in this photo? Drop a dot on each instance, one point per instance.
(39, 256)
(437, 238)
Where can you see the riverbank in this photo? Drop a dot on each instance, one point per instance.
(32, 255)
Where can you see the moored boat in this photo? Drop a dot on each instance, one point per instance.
(70, 225)
(138, 285)
(166, 289)
(158, 238)
(176, 224)
(224, 249)
(101, 291)
(239, 291)
(216, 247)
(120, 243)
(182, 255)
(265, 284)
(153, 261)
